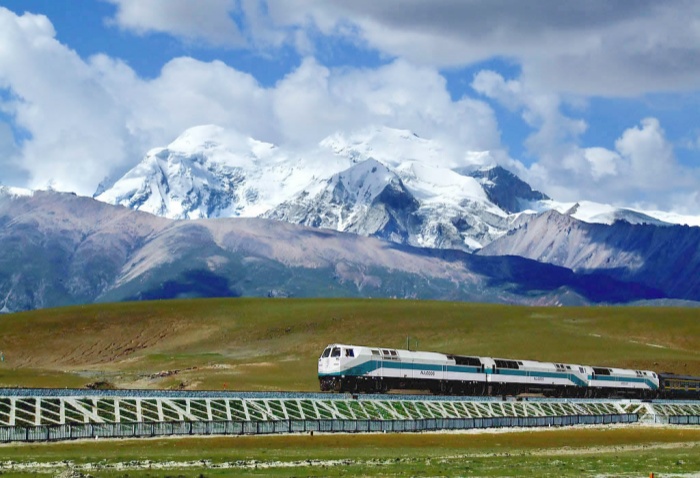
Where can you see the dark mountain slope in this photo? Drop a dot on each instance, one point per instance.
(666, 258)
(60, 249)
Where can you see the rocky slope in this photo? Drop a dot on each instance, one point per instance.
(60, 249)
(663, 257)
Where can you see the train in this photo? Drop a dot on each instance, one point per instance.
(363, 369)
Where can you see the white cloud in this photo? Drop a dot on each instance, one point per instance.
(314, 101)
(649, 156)
(554, 132)
(642, 166)
(603, 162)
(57, 98)
(206, 21)
(594, 47)
(642, 170)
(12, 172)
(598, 47)
(87, 119)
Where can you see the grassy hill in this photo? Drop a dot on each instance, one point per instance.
(273, 344)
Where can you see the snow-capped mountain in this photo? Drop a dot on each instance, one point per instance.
(366, 199)
(379, 181)
(414, 204)
(212, 172)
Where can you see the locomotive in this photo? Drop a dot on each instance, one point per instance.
(362, 369)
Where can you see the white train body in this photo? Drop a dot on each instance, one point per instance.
(356, 368)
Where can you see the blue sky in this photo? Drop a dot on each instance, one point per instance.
(590, 100)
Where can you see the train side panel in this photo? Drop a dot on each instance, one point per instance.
(529, 376)
(609, 381)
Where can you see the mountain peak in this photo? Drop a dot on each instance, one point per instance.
(389, 146)
(506, 190)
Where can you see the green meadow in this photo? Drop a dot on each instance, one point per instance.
(273, 344)
(632, 451)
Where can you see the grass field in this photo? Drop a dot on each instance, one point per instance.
(632, 451)
(255, 344)
(259, 344)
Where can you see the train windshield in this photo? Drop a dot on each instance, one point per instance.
(336, 352)
(326, 353)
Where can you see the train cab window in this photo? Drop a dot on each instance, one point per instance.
(335, 352)
(349, 352)
(580, 369)
(326, 353)
(375, 352)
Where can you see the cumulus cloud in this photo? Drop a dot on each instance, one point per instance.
(642, 169)
(602, 161)
(648, 153)
(207, 21)
(314, 101)
(12, 172)
(641, 165)
(554, 132)
(57, 98)
(597, 47)
(87, 118)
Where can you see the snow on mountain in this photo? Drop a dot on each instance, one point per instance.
(455, 211)
(366, 199)
(387, 145)
(422, 202)
(212, 172)
(506, 190)
(378, 181)
(597, 213)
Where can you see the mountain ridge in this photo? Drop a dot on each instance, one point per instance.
(666, 258)
(61, 249)
(212, 172)
(451, 199)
